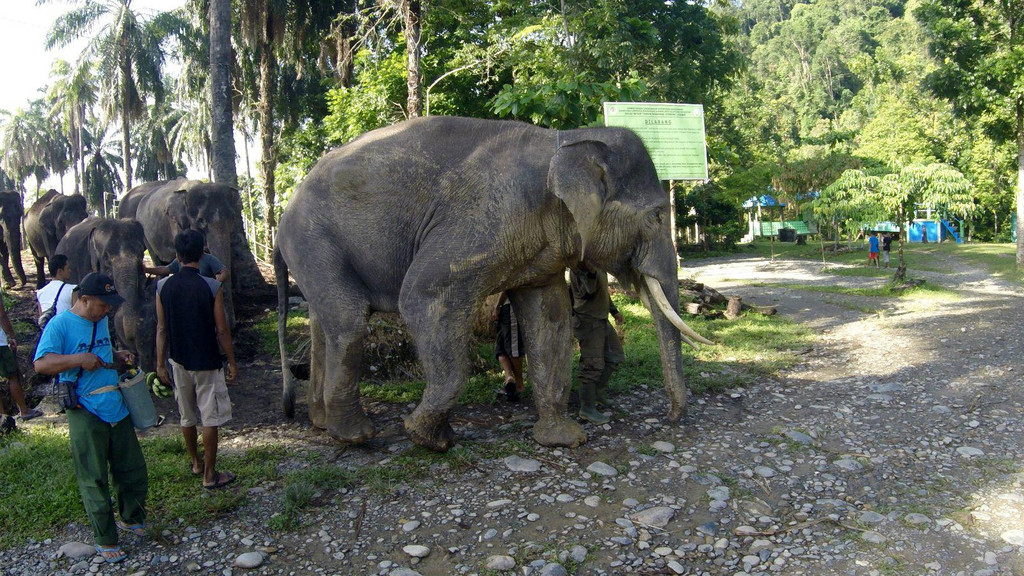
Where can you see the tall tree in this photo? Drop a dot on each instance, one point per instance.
(222, 130)
(978, 45)
(413, 14)
(71, 96)
(263, 29)
(126, 48)
(897, 195)
(24, 141)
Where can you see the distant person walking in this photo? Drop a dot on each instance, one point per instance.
(873, 249)
(192, 328)
(886, 248)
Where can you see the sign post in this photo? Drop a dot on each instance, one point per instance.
(674, 137)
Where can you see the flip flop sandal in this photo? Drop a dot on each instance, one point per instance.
(111, 559)
(223, 479)
(137, 529)
(33, 414)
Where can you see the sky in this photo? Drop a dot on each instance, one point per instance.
(24, 61)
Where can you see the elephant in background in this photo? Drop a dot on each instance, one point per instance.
(11, 211)
(114, 247)
(46, 222)
(166, 208)
(430, 216)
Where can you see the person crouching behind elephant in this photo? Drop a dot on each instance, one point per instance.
(191, 322)
(209, 266)
(77, 346)
(508, 349)
(600, 349)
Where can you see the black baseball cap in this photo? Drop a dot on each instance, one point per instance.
(101, 286)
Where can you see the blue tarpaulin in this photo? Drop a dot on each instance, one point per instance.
(765, 201)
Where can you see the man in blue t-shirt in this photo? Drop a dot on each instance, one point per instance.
(77, 346)
(873, 249)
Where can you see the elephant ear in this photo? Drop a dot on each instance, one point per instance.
(178, 217)
(94, 252)
(579, 176)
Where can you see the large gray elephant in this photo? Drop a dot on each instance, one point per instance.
(11, 211)
(46, 222)
(166, 208)
(429, 216)
(115, 247)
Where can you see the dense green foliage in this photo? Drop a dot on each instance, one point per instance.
(795, 92)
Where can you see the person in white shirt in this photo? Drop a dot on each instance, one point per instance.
(60, 271)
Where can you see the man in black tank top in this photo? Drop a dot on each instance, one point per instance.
(192, 329)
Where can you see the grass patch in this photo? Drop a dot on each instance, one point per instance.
(998, 258)
(39, 494)
(748, 348)
(297, 331)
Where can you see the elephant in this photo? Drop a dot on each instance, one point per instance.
(12, 209)
(168, 207)
(115, 247)
(46, 222)
(431, 215)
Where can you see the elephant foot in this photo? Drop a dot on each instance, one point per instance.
(676, 413)
(356, 429)
(559, 431)
(430, 431)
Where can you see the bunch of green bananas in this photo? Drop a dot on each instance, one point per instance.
(160, 390)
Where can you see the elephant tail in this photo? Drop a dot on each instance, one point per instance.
(289, 384)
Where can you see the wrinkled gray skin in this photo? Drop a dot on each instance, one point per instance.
(430, 216)
(46, 222)
(116, 248)
(166, 208)
(11, 211)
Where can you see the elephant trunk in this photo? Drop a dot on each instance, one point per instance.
(218, 238)
(12, 236)
(127, 278)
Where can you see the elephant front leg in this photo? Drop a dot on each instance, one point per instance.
(545, 313)
(5, 261)
(441, 333)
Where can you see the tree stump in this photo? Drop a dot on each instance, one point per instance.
(734, 308)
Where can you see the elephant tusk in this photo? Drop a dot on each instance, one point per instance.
(647, 303)
(655, 291)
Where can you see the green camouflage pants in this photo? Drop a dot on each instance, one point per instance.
(600, 353)
(97, 447)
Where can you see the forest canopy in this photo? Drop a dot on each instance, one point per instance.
(795, 93)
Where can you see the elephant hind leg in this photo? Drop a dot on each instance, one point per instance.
(40, 273)
(339, 331)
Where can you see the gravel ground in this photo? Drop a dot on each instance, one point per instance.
(894, 448)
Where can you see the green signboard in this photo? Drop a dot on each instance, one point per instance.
(672, 133)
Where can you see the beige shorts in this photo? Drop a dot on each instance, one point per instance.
(202, 391)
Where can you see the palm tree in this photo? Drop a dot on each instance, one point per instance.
(102, 181)
(24, 141)
(126, 49)
(222, 128)
(71, 95)
(155, 158)
(412, 13)
(285, 28)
